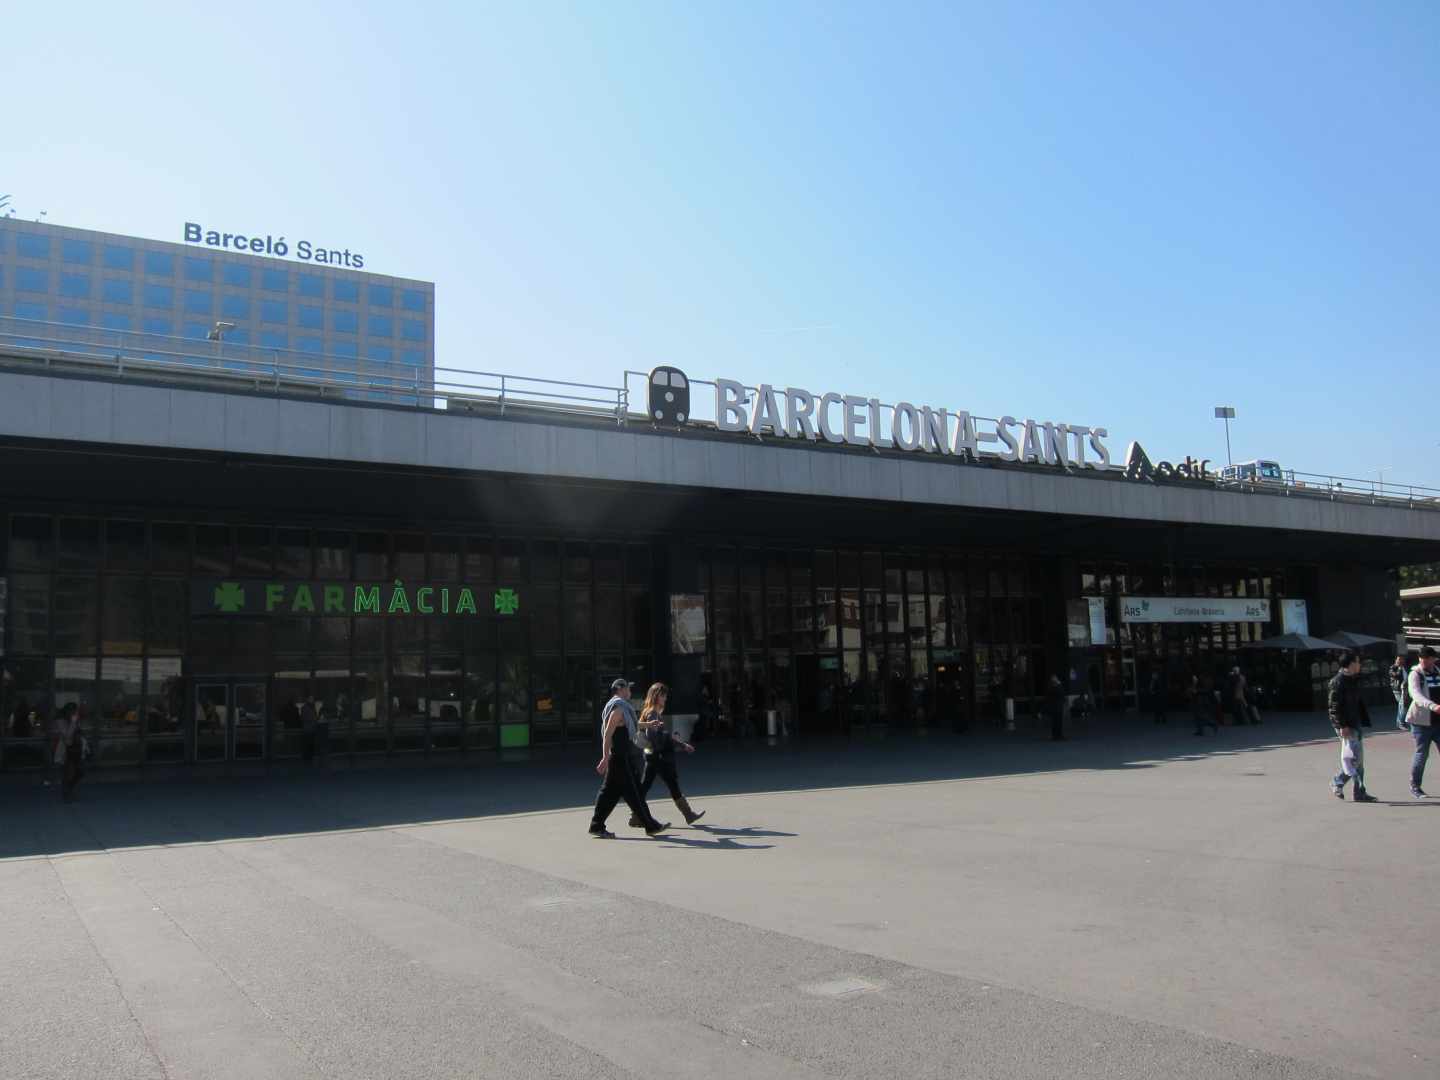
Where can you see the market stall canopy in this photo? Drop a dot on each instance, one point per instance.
(1358, 641)
(1295, 643)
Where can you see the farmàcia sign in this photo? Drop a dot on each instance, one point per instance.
(393, 598)
(305, 250)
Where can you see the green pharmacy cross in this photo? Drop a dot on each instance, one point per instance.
(229, 597)
(506, 601)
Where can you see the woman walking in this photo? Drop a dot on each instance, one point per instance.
(660, 753)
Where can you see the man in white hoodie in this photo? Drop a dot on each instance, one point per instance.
(1424, 687)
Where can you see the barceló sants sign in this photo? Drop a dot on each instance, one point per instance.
(269, 244)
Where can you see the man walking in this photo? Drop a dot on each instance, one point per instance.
(1398, 679)
(1348, 716)
(1239, 710)
(621, 779)
(1424, 687)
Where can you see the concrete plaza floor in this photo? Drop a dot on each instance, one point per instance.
(1134, 904)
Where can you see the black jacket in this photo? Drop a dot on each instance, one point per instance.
(1346, 708)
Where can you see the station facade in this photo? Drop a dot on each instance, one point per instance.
(448, 583)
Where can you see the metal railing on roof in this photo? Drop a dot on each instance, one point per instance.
(258, 367)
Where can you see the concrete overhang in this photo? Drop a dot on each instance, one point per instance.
(119, 413)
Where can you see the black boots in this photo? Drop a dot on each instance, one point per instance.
(690, 816)
(1361, 795)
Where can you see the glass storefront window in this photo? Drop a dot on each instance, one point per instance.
(479, 559)
(545, 560)
(32, 543)
(122, 631)
(75, 625)
(169, 547)
(609, 619)
(544, 605)
(371, 707)
(582, 708)
(579, 624)
(75, 684)
(289, 692)
(28, 618)
(640, 635)
(511, 560)
(125, 545)
(409, 700)
(164, 711)
(331, 686)
(481, 719)
(577, 563)
(292, 553)
(25, 710)
(547, 680)
(607, 564)
(254, 552)
(372, 556)
(409, 559)
(447, 693)
(79, 543)
(121, 701)
(212, 550)
(445, 557)
(514, 676)
(332, 556)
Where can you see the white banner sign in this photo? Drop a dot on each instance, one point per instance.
(1097, 619)
(1192, 609)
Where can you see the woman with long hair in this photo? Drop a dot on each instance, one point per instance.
(660, 752)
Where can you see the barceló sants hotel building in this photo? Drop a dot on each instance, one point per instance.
(198, 533)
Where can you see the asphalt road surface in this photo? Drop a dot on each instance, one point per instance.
(1145, 904)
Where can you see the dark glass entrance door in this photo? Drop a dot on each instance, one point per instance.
(229, 719)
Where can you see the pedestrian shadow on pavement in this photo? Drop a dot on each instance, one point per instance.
(201, 806)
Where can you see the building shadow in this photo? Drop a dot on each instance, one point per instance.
(289, 799)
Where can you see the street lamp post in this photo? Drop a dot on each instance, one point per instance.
(1226, 413)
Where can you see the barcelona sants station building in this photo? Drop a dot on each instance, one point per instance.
(189, 553)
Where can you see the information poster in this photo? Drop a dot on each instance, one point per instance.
(687, 623)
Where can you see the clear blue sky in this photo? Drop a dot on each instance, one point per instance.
(1115, 214)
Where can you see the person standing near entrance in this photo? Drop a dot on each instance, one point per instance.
(618, 728)
(660, 753)
(1424, 687)
(1055, 705)
(69, 748)
(1348, 716)
(1398, 679)
(1239, 707)
(1202, 706)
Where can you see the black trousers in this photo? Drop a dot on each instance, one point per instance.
(655, 765)
(620, 783)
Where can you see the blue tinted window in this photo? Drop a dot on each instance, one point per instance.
(412, 300)
(196, 331)
(159, 262)
(199, 269)
(307, 343)
(32, 246)
(413, 357)
(73, 315)
(77, 251)
(237, 307)
(31, 280)
(412, 329)
(152, 325)
(159, 296)
(274, 339)
(25, 310)
(380, 354)
(309, 285)
(119, 258)
(199, 301)
(311, 318)
(275, 280)
(75, 285)
(235, 274)
(274, 311)
(381, 296)
(113, 320)
(346, 322)
(347, 349)
(116, 291)
(345, 290)
(380, 326)
(238, 336)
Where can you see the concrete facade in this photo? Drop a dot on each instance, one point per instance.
(94, 410)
